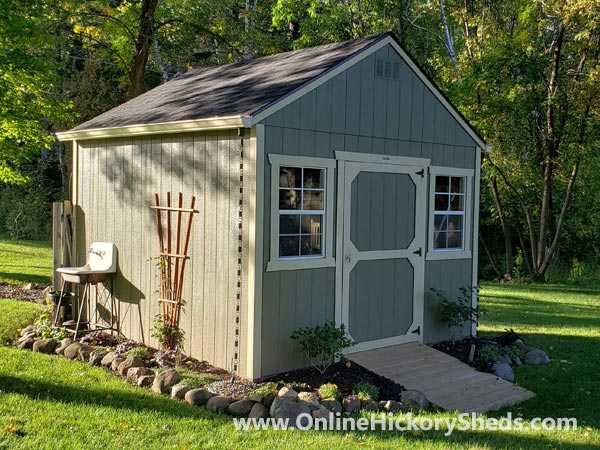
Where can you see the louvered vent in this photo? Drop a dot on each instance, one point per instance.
(387, 69)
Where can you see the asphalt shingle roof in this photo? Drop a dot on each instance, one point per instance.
(241, 88)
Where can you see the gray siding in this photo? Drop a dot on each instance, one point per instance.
(354, 112)
(117, 180)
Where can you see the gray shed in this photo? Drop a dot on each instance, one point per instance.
(333, 183)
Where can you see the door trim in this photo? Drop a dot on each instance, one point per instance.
(375, 162)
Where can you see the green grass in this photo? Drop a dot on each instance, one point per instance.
(25, 262)
(15, 315)
(48, 402)
(195, 380)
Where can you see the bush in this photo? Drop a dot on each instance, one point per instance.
(457, 313)
(329, 390)
(322, 344)
(486, 357)
(366, 391)
(264, 389)
(142, 352)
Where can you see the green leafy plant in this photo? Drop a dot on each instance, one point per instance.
(264, 389)
(193, 379)
(168, 336)
(322, 344)
(366, 391)
(512, 352)
(142, 352)
(329, 390)
(456, 313)
(486, 356)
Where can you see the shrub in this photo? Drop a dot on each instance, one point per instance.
(264, 389)
(457, 313)
(366, 391)
(329, 390)
(486, 357)
(508, 337)
(142, 352)
(322, 344)
(512, 352)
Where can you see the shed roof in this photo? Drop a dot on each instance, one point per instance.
(236, 89)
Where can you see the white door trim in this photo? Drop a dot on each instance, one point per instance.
(348, 169)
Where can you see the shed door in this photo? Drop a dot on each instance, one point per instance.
(383, 253)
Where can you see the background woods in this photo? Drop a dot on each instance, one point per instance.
(524, 72)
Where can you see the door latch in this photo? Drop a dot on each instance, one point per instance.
(421, 172)
(419, 252)
(348, 258)
(417, 330)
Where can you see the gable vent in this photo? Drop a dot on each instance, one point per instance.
(387, 69)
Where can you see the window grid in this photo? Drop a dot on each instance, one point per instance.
(449, 222)
(316, 238)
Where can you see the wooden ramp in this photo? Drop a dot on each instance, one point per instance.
(446, 381)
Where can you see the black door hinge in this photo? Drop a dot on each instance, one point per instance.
(421, 172)
(417, 330)
(419, 252)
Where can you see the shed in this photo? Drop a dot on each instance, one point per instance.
(333, 183)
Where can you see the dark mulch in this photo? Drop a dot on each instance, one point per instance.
(14, 292)
(461, 349)
(345, 375)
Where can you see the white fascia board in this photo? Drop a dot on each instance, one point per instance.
(214, 123)
(295, 95)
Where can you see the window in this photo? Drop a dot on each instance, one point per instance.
(301, 217)
(450, 209)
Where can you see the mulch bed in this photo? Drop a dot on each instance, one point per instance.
(20, 293)
(345, 375)
(458, 349)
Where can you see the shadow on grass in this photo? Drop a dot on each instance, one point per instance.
(24, 278)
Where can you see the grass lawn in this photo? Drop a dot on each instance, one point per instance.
(50, 402)
(15, 315)
(25, 262)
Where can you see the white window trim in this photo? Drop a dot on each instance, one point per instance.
(465, 253)
(302, 262)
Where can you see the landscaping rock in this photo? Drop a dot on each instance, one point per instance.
(241, 408)
(321, 413)
(309, 397)
(134, 373)
(219, 403)
(44, 345)
(332, 405)
(96, 357)
(413, 399)
(27, 329)
(145, 380)
(116, 363)
(164, 381)
(84, 352)
(60, 350)
(29, 335)
(351, 403)
(30, 287)
(392, 406)
(536, 356)
(258, 411)
(369, 405)
(268, 400)
(504, 359)
(286, 392)
(108, 359)
(256, 398)
(26, 344)
(521, 346)
(517, 361)
(179, 390)
(198, 397)
(130, 361)
(503, 370)
(72, 350)
(288, 408)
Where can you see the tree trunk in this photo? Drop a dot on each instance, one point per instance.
(142, 49)
(489, 255)
(508, 253)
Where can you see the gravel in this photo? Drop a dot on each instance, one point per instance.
(20, 293)
(239, 388)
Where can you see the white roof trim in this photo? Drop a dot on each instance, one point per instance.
(214, 123)
(319, 80)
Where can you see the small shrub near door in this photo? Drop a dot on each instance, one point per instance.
(322, 344)
(366, 391)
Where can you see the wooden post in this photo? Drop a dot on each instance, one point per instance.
(57, 212)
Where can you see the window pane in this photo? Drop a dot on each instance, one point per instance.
(441, 183)
(289, 246)
(455, 223)
(441, 202)
(455, 239)
(290, 177)
(289, 224)
(439, 240)
(289, 199)
(440, 222)
(313, 200)
(457, 203)
(311, 224)
(313, 178)
(311, 245)
(458, 184)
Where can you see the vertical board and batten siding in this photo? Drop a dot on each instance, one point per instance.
(355, 111)
(117, 179)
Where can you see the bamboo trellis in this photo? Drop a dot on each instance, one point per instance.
(173, 256)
